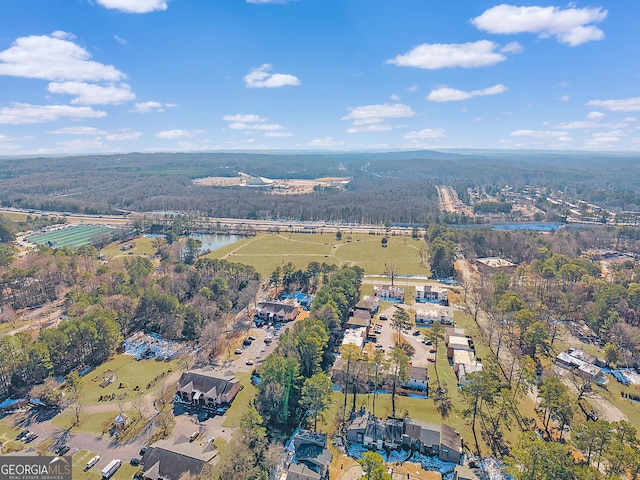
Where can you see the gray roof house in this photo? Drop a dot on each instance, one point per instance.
(438, 440)
(172, 459)
(208, 388)
(312, 457)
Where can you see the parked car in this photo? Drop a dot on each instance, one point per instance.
(238, 351)
(383, 317)
(251, 337)
(249, 362)
(247, 342)
(135, 461)
(433, 350)
(431, 359)
(64, 450)
(143, 450)
(23, 434)
(416, 333)
(30, 438)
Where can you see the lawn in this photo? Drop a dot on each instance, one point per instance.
(8, 436)
(241, 402)
(95, 423)
(268, 251)
(142, 246)
(6, 327)
(129, 373)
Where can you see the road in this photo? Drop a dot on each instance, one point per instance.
(255, 225)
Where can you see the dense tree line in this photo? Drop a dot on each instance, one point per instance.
(108, 301)
(395, 187)
(492, 207)
(87, 340)
(293, 379)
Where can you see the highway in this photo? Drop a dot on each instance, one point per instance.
(232, 223)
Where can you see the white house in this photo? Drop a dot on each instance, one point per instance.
(432, 293)
(389, 293)
(418, 379)
(429, 314)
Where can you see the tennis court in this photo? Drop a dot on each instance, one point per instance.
(72, 237)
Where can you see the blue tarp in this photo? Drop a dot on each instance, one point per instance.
(304, 299)
(620, 377)
(9, 401)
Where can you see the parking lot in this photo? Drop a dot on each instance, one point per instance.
(387, 333)
(258, 350)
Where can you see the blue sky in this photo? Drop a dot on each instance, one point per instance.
(99, 76)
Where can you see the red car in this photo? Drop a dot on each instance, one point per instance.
(433, 350)
(431, 359)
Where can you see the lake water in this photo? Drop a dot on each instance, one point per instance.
(214, 242)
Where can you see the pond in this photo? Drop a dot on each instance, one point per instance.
(215, 241)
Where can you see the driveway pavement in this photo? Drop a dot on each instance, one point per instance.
(386, 337)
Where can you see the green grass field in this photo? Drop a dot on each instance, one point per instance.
(142, 246)
(8, 436)
(266, 252)
(72, 237)
(130, 373)
(242, 400)
(95, 423)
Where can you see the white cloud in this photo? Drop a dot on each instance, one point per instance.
(378, 112)
(147, 107)
(564, 98)
(23, 113)
(570, 25)
(426, 133)
(446, 94)
(595, 115)
(376, 127)
(89, 94)
(134, 6)
(124, 136)
(54, 58)
(413, 88)
(512, 47)
(78, 131)
(539, 134)
(244, 118)
(278, 134)
(620, 105)
(120, 40)
(434, 56)
(371, 118)
(255, 126)
(394, 97)
(604, 139)
(591, 124)
(173, 134)
(260, 78)
(578, 125)
(325, 142)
